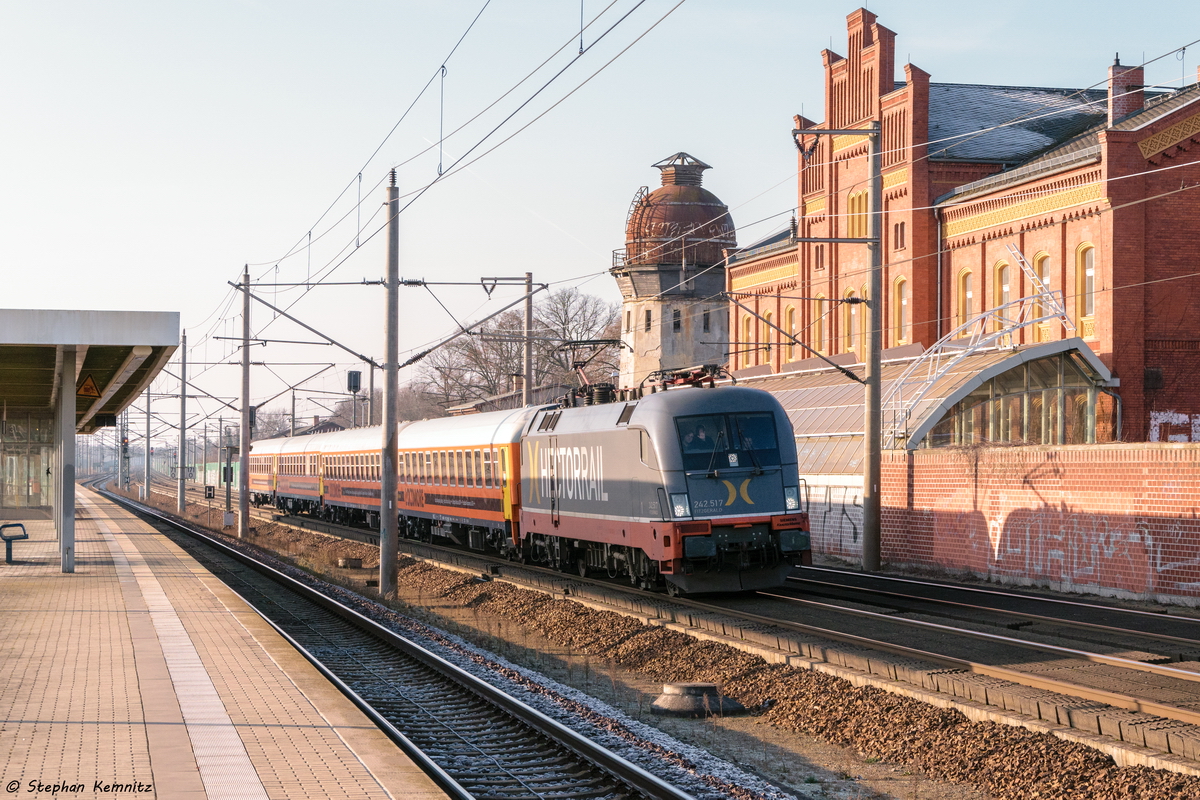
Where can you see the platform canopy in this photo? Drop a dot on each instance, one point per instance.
(117, 354)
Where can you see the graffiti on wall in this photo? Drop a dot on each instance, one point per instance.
(835, 514)
(1137, 554)
(1172, 426)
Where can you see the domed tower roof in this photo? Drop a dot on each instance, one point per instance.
(678, 220)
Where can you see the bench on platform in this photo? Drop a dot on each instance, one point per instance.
(10, 538)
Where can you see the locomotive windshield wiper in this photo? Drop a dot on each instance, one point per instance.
(748, 444)
(716, 443)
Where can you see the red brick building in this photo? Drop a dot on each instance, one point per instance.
(1091, 185)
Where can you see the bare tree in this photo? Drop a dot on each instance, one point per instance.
(477, 365)
(483, 364)
(269, 424)
(414, 403)
(569, 315)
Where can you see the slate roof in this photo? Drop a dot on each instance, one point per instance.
(775, 241)
(1076, 150)
(1157, 106)
(1048, 116)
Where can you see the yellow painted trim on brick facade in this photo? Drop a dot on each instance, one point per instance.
(814, 206)
(895, 178)
(739, 282)
(1173, 135)
(846, 140)
(1028, 208)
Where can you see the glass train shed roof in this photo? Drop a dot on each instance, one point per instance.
(826, 407)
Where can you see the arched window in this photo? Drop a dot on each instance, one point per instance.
(900, 311)
(966, 296)
(1003, 288)
(857, 215)
(766, 334)
(746, 340)
(1041, 268)
(1085, 288)
(850, 323)
(789, 325)
(818, 324)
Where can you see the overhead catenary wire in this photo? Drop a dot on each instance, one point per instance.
(337, 262)
(591, 276)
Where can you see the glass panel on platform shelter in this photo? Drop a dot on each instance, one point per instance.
(26, 477)
(1075, 403)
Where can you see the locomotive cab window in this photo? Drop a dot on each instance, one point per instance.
(728, 441)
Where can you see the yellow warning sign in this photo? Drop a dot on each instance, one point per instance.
(87, 388)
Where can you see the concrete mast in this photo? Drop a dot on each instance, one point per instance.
(181, 462)
(527, 362)
(872, 516)
(388, 521)
(244, 440)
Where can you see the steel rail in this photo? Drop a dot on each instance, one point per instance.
(1059, 601)
(427, 765)
(1067, 623)
(631, 774)
(1116, 699)
(1008, 641)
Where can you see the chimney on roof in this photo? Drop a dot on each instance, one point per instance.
(316, 420)
(1125, 94)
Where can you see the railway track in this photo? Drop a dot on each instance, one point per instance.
(474, 739)
(1063, 649)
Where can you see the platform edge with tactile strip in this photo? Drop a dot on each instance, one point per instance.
(143, 673)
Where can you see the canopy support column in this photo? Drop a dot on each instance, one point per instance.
(66, 461)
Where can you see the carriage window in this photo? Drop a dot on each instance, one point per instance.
(504, 469)
(444, 477)
(478, 469)
(470, 470)
(487, 469)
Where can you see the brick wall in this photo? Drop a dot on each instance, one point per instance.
(1120, 519)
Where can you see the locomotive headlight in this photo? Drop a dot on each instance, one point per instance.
(680, 507)
(791, 497)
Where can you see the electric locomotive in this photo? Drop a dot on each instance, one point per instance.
(691, 490)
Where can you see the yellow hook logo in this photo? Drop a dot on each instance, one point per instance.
(734, 491)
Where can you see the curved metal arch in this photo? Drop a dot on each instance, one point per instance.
(934, 415)
(993, 328)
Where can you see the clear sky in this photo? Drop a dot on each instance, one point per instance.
(150, 149)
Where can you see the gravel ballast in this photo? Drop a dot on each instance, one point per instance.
(1006, 762)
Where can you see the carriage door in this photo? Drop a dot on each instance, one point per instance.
(554, 497)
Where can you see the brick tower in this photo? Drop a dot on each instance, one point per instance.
(672, 274)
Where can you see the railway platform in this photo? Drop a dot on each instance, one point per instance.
(142, 674)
